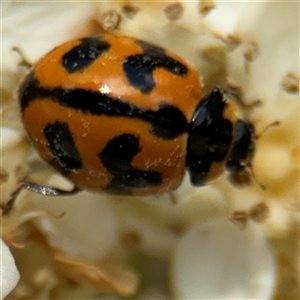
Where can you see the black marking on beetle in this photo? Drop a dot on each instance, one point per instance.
(62, 146)
(84, 54)
(117, 157)
(242, 151)
(23, 89)
(167, 122)
(139, 68)
(210, 137)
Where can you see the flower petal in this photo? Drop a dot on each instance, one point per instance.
(9, 275)
(216, 260)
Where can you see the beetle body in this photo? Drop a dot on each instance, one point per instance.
(120, 115)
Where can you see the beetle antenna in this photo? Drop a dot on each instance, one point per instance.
(267, 127)
(273, 124)
(256, 181)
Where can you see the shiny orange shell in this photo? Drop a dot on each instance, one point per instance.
(111, 113)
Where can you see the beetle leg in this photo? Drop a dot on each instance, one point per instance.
(48, 190)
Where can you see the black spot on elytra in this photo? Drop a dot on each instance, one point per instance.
(210, 137)
(242, 151)
(139, 68)
(62, 145)
(117, 157)
(84, 54)
(26, 89)
(167, 122)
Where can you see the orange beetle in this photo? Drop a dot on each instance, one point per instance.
(120, 115)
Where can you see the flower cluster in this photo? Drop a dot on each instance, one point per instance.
(219, 241)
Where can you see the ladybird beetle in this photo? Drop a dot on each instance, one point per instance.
(120, 115)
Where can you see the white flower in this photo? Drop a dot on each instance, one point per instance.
(113, 243)
(216, 260)
(9, 275)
